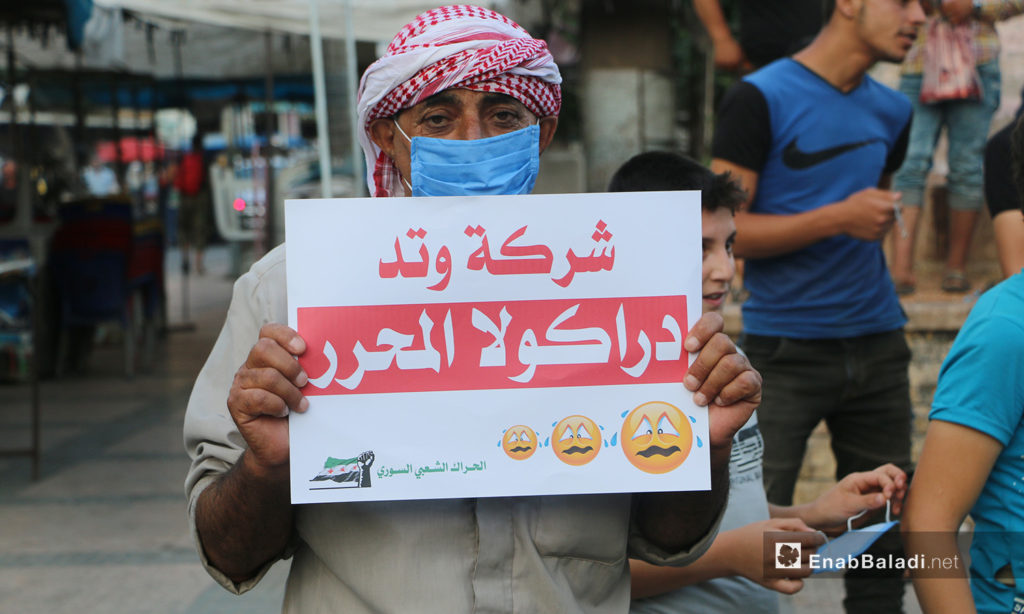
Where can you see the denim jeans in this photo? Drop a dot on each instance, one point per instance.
(860, 388)
(967, 123)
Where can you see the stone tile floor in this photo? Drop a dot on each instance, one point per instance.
(103, 530)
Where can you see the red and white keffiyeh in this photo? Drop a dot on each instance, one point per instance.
(459, 46)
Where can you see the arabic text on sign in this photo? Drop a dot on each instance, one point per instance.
(493, 345)
(513, 257)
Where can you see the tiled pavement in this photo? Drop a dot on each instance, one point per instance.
(103, 530)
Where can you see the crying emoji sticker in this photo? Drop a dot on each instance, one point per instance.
(656, 437)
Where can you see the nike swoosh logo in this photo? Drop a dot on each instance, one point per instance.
(794, 158)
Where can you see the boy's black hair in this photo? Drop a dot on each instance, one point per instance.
(1017, 149)
(666, 170)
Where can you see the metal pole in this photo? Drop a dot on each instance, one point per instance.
(137, 113)
(269, 219)
(115, 111)
(31, 154)
(186, 264)
(24, 215)
(707, 104)
(317, 52)
(81, 155)
(35, 319)
(351, 66)
(23, 204)
(163, 193)
(186, 324)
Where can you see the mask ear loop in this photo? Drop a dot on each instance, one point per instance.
(849, 521)
(888, 515)
(402, 132)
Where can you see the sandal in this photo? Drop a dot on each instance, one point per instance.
(955, 281)
(904, 288)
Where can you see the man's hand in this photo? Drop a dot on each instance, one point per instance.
(855, 493)
(751, 558)
(721, 378)
(727, 53)
(265, 388)
(867, 214)
(676, 520)
(729, 56)
(245, 518)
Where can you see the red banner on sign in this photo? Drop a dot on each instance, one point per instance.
(493, 345)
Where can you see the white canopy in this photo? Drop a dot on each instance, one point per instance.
(373, 20)
(219, 40)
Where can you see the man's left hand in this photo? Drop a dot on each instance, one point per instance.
(857, 492)
(722, 379)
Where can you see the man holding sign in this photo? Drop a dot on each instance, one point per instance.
(485, 96)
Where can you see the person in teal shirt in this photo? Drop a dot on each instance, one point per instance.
(973, 456)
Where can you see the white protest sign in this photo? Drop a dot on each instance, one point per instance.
(495, 346)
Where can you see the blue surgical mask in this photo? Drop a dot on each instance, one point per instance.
(503, 164)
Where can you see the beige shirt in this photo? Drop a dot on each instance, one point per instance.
(514, 554)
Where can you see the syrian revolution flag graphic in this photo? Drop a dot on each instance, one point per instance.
(347, 472)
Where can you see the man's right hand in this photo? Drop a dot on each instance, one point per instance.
(245, 518)
(867, 214)
(722, 379)
(264, 390)
(753, 559)
(729, 56)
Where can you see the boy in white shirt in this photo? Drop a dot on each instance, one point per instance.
(730, 577)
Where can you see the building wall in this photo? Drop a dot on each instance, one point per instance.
(627, 94)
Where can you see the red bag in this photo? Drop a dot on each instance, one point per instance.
(949, 63)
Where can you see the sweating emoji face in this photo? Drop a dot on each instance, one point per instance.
(656, 437)
(519, 442)
(576, 440)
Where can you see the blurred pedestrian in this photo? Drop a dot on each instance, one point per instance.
(767, 30)
(966, 116)
(1003, 197)
(192, 184)
(99, 179)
